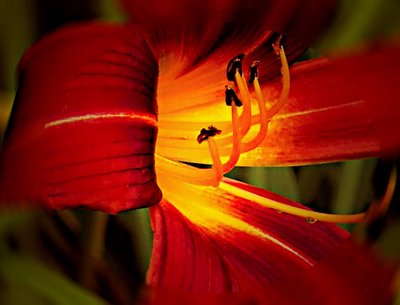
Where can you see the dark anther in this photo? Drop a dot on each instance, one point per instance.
(277, 44)
(235, 64)
(253, 71)
(211, 131)
(230, 96)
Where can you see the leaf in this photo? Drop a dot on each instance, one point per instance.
(280, 180)
(362, 20)
(40, 285)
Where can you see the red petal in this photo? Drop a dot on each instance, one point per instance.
(208, 240)
(183, 258)
(343, 109)
(83, 127)
(305, 19)
(196, 30)
(151, 295)
(351, 275)
(197, 251)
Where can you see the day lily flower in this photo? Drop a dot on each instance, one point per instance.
(93, 98)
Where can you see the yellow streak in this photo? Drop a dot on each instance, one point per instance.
(262, 133)
(183, 172)
(150, 120)
(214, 216)
(311, 111)
(265, 202)
(219, 221)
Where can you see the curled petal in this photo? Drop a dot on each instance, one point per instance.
(83, 127)
(230, 241)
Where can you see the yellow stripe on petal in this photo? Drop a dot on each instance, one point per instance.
(203, 207)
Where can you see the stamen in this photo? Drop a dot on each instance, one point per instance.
(234, 72)
(230, 96)
(380, 207)
(216, 166)
(234, 65)
(245, 118)
(264, 115)
(205, 134)
(253, 71)
(236, 142)
(240, 125)
(285, 86)
(278, 44)
(262, 133)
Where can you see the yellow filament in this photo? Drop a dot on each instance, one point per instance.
(306, 214)
(240, 127)
(219, 169)
(236, 137)
(285, 86)
(262, 133)
(313, 216)
(217, 166)
(245, 119)
(265, 116)
(380, 207)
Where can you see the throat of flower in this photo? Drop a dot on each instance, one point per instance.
(240, 127)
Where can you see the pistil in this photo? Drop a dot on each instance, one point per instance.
(312, 216)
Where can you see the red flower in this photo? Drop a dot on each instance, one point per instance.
(93, 97)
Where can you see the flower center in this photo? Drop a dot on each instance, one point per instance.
(237, 94)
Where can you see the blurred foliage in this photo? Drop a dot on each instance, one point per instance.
(48, 255)
(29, 282)
(360, 21)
